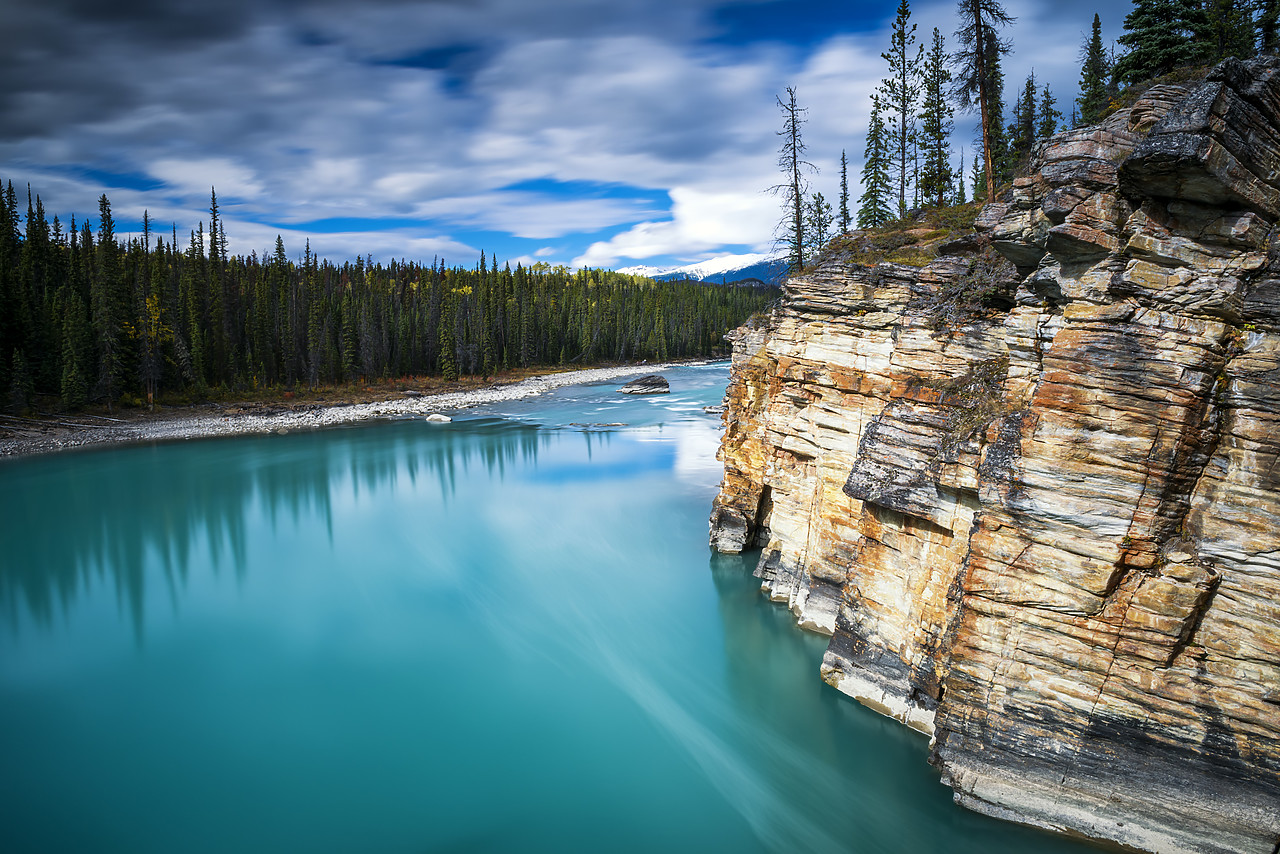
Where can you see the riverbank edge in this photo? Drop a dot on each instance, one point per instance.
(53, 437)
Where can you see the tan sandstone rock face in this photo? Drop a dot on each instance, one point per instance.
(1045, 528)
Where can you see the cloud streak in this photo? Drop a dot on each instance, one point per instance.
(491, 124)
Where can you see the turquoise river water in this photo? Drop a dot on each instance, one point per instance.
(503, 634)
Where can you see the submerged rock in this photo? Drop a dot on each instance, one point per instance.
(1046, 531)
(651, 384)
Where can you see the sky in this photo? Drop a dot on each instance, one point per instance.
(599, 133)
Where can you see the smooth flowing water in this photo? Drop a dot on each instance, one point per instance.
(504, 634)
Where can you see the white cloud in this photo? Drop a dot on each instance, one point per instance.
(198, 176)
(701, 221)
(297, 115)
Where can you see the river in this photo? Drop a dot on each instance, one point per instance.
(502, 634)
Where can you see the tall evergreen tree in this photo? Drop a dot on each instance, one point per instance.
(818, 220)
(1022, 130)
(936, 124)
(1159, 35)
(1226, 29)
(1268, 26)
(978, 78)
(1095, 71)
(873, 208)
(108, 308)
(73, 387)
(794, 189)
(845, 220)
(1047, 116)
(21, 384)
(900, 93)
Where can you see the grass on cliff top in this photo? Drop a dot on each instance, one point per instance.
(1189, 75)
(913, 240)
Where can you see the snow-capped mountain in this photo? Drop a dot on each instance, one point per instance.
(726, 268)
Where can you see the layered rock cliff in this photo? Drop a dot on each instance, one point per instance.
(1032, 489)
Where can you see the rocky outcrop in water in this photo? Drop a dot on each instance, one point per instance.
(651, 384)
(1032, 489)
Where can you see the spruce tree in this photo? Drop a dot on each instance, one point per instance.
(936, 125)
(978, 78)
(1047, 117)
(793, 166)
(1268, 26)
(1158, 34)
(845, 219)
(900, 94)
(75, 335)
(818, 220)
(873, 209)
(1022, 130)
(108, 310)
(1226, 29)
(1095, 71)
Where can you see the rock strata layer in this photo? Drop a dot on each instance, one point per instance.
(1032, 489)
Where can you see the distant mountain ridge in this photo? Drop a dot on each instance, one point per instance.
(769, 269)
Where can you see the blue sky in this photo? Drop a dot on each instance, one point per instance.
(581, 132)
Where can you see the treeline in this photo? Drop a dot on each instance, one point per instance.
(908, 159)
(87, 317)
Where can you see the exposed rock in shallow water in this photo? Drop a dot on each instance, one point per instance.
(1046, 529)
(651, 384)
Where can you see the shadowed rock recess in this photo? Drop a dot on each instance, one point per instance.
(1034, 496)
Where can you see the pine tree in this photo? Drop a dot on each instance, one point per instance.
(899, 93)
(75, 337)
(1095, 71)
(960, 194)
(1047, 117)
(1158, 34)
(818, 220)
(1268, 26)
(21, 385)
(978, 80)
(1022, 130)
(845, 219)
(1226, 29)
(936, 125)
(108, 310)
(793, 165)
(873, 210)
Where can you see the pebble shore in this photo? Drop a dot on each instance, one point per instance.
(53, 436)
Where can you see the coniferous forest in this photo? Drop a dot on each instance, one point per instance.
(90, 318)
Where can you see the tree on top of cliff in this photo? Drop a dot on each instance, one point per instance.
(1022, 130)
(818, 219)
(1226, 29)
(1158, 34)
(793, 165)
(845, 220)
(1095, 70)
(935, 180)
(1268, 25)
(1047, 117)
(900, 91)
(978, 77)
(873, 208)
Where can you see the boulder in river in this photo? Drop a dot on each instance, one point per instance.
(651, 384)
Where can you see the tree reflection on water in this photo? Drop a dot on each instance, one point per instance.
(71, 520)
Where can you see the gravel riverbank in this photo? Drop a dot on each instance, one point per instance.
(41, 436)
